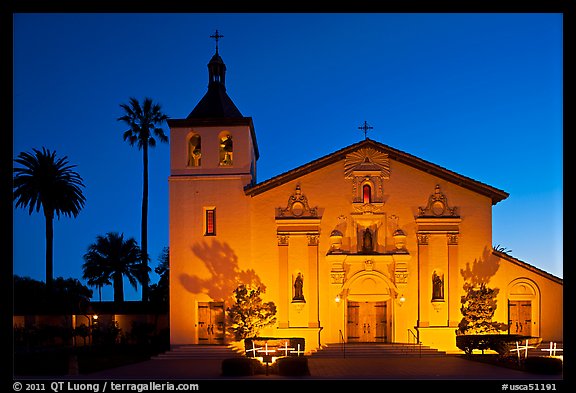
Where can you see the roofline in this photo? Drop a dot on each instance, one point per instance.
(216, 122)
(493, 193)
(526, 265)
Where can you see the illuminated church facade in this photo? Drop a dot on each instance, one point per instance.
(366, 244)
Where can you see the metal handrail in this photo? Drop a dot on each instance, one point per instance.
(343, 343)
(413, 335)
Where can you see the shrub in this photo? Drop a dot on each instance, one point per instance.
(249, 314)
(293, 366)
(501, 343)
(543, 365)
(240, 366)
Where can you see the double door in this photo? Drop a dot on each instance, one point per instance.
(211, 323)
(367, 322)
(520, 317)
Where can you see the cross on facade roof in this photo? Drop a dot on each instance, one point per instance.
(216, 37)
(365, 128)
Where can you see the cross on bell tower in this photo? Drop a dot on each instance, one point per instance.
(365, 127)
(216, 37)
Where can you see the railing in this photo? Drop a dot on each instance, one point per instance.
(343, 343)
(413, 337)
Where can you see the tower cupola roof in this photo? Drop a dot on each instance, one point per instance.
(216, 103)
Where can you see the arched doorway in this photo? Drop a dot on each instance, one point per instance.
(523, 307)
(368, 308)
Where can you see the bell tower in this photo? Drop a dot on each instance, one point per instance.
(213, 155)
(215, 138)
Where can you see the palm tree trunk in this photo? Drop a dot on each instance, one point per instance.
(118, 282)
(49, 249)
(144, 240)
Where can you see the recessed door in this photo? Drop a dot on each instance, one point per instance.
(520, 317)
(367, 322)
(211, 323)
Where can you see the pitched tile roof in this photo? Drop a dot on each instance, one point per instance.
(495, 194)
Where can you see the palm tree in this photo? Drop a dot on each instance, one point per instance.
(112, 257)
(93, 273)
(144, 121)
(47, 182)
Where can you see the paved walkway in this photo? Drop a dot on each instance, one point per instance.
(449, 367)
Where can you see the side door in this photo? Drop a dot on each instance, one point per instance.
(211, 323)
(520, 320)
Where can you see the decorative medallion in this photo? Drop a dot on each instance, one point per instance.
(297, 206)
(437, 206)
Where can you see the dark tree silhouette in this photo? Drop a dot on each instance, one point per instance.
(159, 292)
(47, 182)
(112, 257)
(68, 296)
(144, 121)
(95, 277)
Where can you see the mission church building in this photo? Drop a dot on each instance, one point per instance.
(366, 244)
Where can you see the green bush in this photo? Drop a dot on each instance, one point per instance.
(543, 365)
(240, 366)
(501, 343)
(293, 366)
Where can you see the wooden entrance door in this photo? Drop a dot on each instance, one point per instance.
(367, 322)
(211, 323)
(520, 319)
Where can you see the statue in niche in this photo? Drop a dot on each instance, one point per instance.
(367, 243)
(298, 285)
(437, 287)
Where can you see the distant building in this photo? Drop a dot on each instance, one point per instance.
(366, 244)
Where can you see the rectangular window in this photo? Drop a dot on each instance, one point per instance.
(210, 224)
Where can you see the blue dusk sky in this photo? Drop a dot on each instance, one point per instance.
(480, 94)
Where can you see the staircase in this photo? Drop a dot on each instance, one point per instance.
(375, 350)
(215, 352)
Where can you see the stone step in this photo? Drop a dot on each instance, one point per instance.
(218, 352)
(375, 350)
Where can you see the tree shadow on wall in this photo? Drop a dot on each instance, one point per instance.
(222, 263)
(480, 302)
(481, 270)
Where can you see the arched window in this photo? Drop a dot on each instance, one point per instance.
(194, 150)
(366, 193)
(226, 149)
